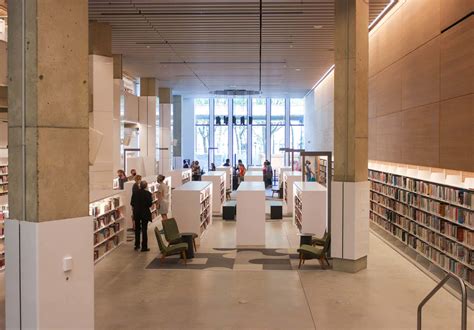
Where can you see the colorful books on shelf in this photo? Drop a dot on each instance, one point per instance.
(434, 219)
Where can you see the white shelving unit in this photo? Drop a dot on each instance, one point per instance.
(180, 177)
(289, 177)
(254, 176)
(107, 207)
(310, 207)
(228, 170)
(282, 170)
(192, 207)
(3, 215)
(3, 182)
(250, 229)
(218, 179)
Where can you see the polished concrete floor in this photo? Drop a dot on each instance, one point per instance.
(384, 296)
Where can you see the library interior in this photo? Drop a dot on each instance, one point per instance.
(217, 164)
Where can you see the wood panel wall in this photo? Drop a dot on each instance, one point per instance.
(421, 85)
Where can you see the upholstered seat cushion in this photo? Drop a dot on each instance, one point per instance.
(176, 248)
(309, 250)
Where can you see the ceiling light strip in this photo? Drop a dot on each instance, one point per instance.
(382, 13)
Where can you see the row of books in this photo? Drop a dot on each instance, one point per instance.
(454, 195)
(105, 233)
(99, 208)
(437, 257)
(450, 212)
(3, 169)
(106, 220)
(4, 212)
(4, 189)
(205, 194)
(459, 233)
(102, 249)
(3, 178)
(456, 250)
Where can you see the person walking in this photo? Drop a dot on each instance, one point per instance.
(141, 203)
(163, 197)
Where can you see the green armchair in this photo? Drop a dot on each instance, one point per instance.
(315, 252)
(320, 241)
(172, 234)
(171, 249)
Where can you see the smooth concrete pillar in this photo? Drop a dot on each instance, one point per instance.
(147, 110)
(118, 99)
(48, 167)
(101, 118)
(350, 193)
(165, 136)
(177, 125)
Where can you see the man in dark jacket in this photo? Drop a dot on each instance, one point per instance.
(141, 203)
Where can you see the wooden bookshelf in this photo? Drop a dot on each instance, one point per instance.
(109, 224)
(434, 219)
(3, 215)
(192, 206)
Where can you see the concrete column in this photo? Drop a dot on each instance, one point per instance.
(147, 108)
(350, 193)
(187, 133)
(177, 123)
(118, 99)
(49, 170)
(165, 139)
(101, 117)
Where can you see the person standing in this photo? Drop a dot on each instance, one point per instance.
(268, 174)
(163, 197)
(242, 170)
(133, 174)
(141, 203)
(185, 164)
(136, 185)
(308, 170)
(122, 178)
(196, 171)
(227, 163)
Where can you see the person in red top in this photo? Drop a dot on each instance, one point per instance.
(242, 170)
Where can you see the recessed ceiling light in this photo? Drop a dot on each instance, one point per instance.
(298, 69)
(318, 26)
(147, 46)
(291, 46)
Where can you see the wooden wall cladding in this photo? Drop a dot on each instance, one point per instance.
(421, 102)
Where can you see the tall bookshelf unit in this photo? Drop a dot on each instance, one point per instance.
(310, 207)
(427, 214)
(322, 171)
(228, 170)
(218, 179)
(192, 206)
(153, 188)
(109, 224)
(289, 177)
(180, 177)
(3, 216)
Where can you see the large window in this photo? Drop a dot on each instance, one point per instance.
(297, 123)
(250, 129)
(240, 129)
(259, 128)
(277, 131)
(221, 130)
(202, 136)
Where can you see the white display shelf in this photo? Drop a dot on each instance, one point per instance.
(107, 207)
(4, 215)
(282, 170)
(3, 179)
(228, 170)
(254, 176)
(289, 177)
(218, 179)
(180, 177)
(310, 207)
(250, 229)
(192, 207)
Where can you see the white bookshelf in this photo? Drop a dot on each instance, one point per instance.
(180, 177)
(429, 212)
(254, 176)
(218, 179)
(282, 170)
(250, 229)
(3, 216)
(310, 207)
(289, 177)
(107, 208)
(228, 170)
(192, 207)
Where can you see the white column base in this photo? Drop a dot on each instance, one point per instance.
(350, 220)
(49, 296)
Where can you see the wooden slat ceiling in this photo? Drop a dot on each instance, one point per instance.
(196, 46)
